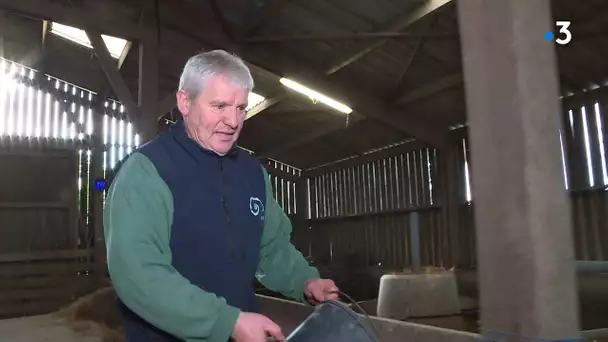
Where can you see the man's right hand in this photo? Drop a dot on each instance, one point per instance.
(252, 327)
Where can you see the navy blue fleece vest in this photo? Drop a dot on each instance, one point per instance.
(218, 218)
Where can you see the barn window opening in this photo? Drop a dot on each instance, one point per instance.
(600, 138)
(253, 100)
(467, 180)
(587, 147)
(429, 167)
(115, 45)
(564, 167)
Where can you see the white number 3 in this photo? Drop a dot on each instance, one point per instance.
(564, 29)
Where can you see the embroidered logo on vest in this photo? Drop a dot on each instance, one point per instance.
(255, 206)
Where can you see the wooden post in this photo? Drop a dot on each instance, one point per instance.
(522, 215)
(147, 98)
(414, 224)
(300, 224)
(449, 201)
(97, 198)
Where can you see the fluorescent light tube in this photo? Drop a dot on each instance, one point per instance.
(315, 95)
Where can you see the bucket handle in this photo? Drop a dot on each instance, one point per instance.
(369, 320)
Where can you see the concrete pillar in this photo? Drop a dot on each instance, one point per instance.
(522, 215)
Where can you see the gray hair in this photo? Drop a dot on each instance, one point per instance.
(201, 67)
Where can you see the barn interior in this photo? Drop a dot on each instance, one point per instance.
(455, 145)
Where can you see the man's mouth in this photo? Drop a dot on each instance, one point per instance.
(225, 134)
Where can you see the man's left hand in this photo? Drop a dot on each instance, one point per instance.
(319, 290)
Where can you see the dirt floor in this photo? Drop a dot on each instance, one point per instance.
(48, 328)
(92, 318)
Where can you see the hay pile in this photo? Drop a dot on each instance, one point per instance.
(93, 313)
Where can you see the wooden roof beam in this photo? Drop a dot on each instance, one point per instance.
(111, 70)
(269, 12)
(293, 68)
(431, 88)
(399, 25)
(408, 63)
(348, 36)
(221, 19)
(182, 15)
(317, 134)
(415, 95)
(86, 14)
(361, 102)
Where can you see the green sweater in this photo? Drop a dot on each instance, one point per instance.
(138, 218)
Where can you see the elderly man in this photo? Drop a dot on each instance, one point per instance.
(190, 221)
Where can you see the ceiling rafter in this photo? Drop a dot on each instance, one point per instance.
(402, 76)
(429, 7)
(183, 15)
(111, 70)
(270, 11)
(315, 135)
(294, 68)
(221, 19)
(349, 36)
(77, 17)
(415, 95)
(361, 102)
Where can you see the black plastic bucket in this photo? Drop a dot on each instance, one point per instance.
(333, 321)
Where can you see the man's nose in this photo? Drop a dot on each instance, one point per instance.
(231, 118)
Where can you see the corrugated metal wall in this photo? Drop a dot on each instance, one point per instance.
(284, 189)
(37, 213)
(360, 212)
(46, 150)
(40, 112)
(585, 178)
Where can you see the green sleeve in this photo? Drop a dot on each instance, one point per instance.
(282, 267)
(137, 222)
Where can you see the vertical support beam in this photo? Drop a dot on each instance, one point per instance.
(448, 164)
(41, 62)
(2, 31)
(97, 172)
(148, 71)
(300, 225)
(414, 223)
(522, 215)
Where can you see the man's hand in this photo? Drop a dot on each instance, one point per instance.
(319, 290)
(252, 327)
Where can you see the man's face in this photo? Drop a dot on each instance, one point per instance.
(215, 118)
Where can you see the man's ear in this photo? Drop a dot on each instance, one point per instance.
(183, 102)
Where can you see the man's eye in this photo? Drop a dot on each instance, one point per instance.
(220, 106)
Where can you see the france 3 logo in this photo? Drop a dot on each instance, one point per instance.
(564, 35)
